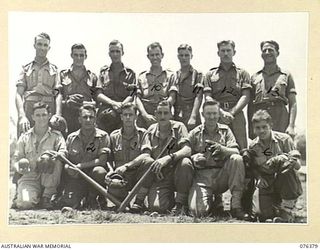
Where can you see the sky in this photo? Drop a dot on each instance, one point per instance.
(137, 30)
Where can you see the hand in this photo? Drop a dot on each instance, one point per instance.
(226, 117)
(199, 160)
(218, 151)
(121, 170)
(275, 163)
(157, 165)
(71, 171)
(262, 183)
(75, 100)
(117, 106)
(191, 123)
(150, 119)
(291, 131)
(24, 124)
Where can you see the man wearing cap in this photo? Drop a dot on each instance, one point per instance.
(39, 181)
(188, 89)
(153, 86)
(77, 86)
(230, 86)
(274, 89)
(116, 85)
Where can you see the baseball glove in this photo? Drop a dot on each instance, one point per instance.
(45, 163)
(216, 149)
(199, 160)
(58, 123)
(115, 180)
(75, 100)
(24, 166)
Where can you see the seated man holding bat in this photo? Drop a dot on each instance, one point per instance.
(88, 150)
(41, 174)
(274, 162)
(218, 165)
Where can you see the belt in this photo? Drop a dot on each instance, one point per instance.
(227, 105)
(271, 103)
(39, 98)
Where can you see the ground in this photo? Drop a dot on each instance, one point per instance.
(33, 217)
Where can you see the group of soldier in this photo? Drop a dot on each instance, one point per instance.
(120, 123)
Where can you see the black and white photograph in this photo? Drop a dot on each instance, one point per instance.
(157, 118)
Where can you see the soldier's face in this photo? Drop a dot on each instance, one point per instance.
(269, 53)
(42, 46)
(211, 114)
(226, 53)
(41, 117)
(115, 53)
(163, 115)
(184, 57)
(78, 56)
(155, 56)
(87, 119)
(128, 117)
(262, 129)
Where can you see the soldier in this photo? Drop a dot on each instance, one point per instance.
(38, 81)
(189, 85)
(230, 86)
(116, 84)
(88, 148)
(130, 158)
(78, 85)
(273, 89)
(218, 165)
(275, 162)
(153, 87)
(174, 170)
(38, 184)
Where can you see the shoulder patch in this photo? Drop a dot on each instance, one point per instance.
(104, 68)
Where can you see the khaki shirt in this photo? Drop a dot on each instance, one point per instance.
(272, 86)
(188, 87)
(125, 149)
(226, 86)
(116, 87)
(80, 152)
(153, 142)
(39, 79)
(84, 86)
(199, 135)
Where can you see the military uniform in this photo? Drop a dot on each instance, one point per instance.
(271, 92)
(34, 185)
(187, 89)
(40, 83)
(217, 176)
(117, 88)
(283, 187)
(177, 176)
(70, 86)
(226, 87)
(124, 150)
(77, 188)
(153, 89)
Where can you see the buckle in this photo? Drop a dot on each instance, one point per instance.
(226, 105)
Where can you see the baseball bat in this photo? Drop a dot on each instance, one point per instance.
(138, 185)
(96, 185)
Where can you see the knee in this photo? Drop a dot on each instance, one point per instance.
(185, 166)
(197, 206)
(236, 158)
(98, 174)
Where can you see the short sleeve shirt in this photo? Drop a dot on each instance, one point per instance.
(116, 87)
(71, 85)
(79, 152)
(273, 86)
(280, 143)
(27, 146)
(39, 79)
(226, 86)
(199, 135)
(188, 87)
(125, 149)
(155, 144)
(153, 89)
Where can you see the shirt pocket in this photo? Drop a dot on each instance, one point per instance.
(280, 86)
(49, 78)
(30, 79)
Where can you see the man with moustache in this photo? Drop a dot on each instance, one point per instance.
(188, 83)
(116, 84)
(153, 86)
(274, 89)
(77, 87)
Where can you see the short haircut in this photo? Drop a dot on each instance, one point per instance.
(88, 106)
(274, 43)
(129, 105)
(42, 35)
(185, 46)
(78, 46)
(226, 42)
(40, 105)
(261, 115)
(116, 42)
(210, 102)
(164, 103)
(153, 46)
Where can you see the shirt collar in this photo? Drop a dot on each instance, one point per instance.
(45, 63)
(97, 133)
(233, 66)
(123, 68)
(273, 139)
(172, 127)
(163, 70)
(277, 69)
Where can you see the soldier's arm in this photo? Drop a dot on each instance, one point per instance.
(59, 104)
(140, 107)
(292, 109)
(106, 100)
(172, 97)
(242, 102)
(136, 162)
(19, 102)
(197, 104)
